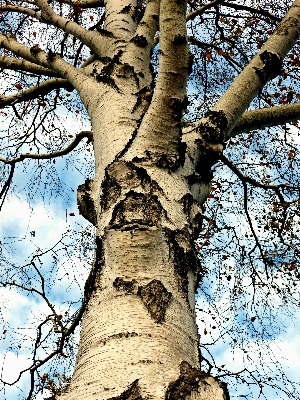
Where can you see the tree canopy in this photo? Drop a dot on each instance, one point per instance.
(248, 236)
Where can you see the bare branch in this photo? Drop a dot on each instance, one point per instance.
(26, 66)
(237, 66)
(10, 43)
(264, 117)
(34, 91)
(93, 39)
(68, 149)
(253, 182)
(22, 10)
(192, 15)
(252, 10)
(147, 28)
(262, 68)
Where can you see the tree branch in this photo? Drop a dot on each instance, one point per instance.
(93, 39)
(192, 15)
(27, 66)
(252, 10)
(32, 92)
(264, 117)
(22, 10)
(68, 149)
(147, 27)
(262, 68)
(253, 182)
(238, 67)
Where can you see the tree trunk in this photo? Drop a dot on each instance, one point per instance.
(139, 337)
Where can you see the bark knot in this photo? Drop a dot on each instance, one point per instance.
(156, 299)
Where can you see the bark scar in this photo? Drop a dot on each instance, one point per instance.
(156, 298)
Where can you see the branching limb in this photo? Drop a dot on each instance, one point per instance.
(148, 26)
(253, 182)
(262, 68)
(26, 66)
(237, 66)
(192, 15)
(264, 13)
(257, 242)
(265, 117)
(170, 90)
(68, 149)
(93, 39)
(34, 91)
(51, 60)
(22, 10)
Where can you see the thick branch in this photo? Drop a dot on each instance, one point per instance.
(10, 43)
(148, 26)
(34, 91)
(68, 149)
(93, 39)
(22, 10)
(26, 66)
(263, 67)
(264, 117)
(170, 90)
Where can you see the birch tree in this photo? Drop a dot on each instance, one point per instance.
(171, 89)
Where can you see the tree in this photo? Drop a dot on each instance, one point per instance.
(156, 145)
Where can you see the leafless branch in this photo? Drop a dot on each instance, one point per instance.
(68, 149)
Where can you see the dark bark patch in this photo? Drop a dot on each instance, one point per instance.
(210, 142)
(51, 56)
(185, 260)
(170, 160)
(123, 175)
(132, 393)
(137, 209)
(140, 41)
(283, 27)
(108, 81)
(85, 202)
(96, 270)
(213, 128)
(104, 32)
(130, 287)
(155, 17)
(272, 66)
(190, 62)
(178, 106)
(34, 50)
(187, 382)
(156, 298)
(111, 190)
(179, 40)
